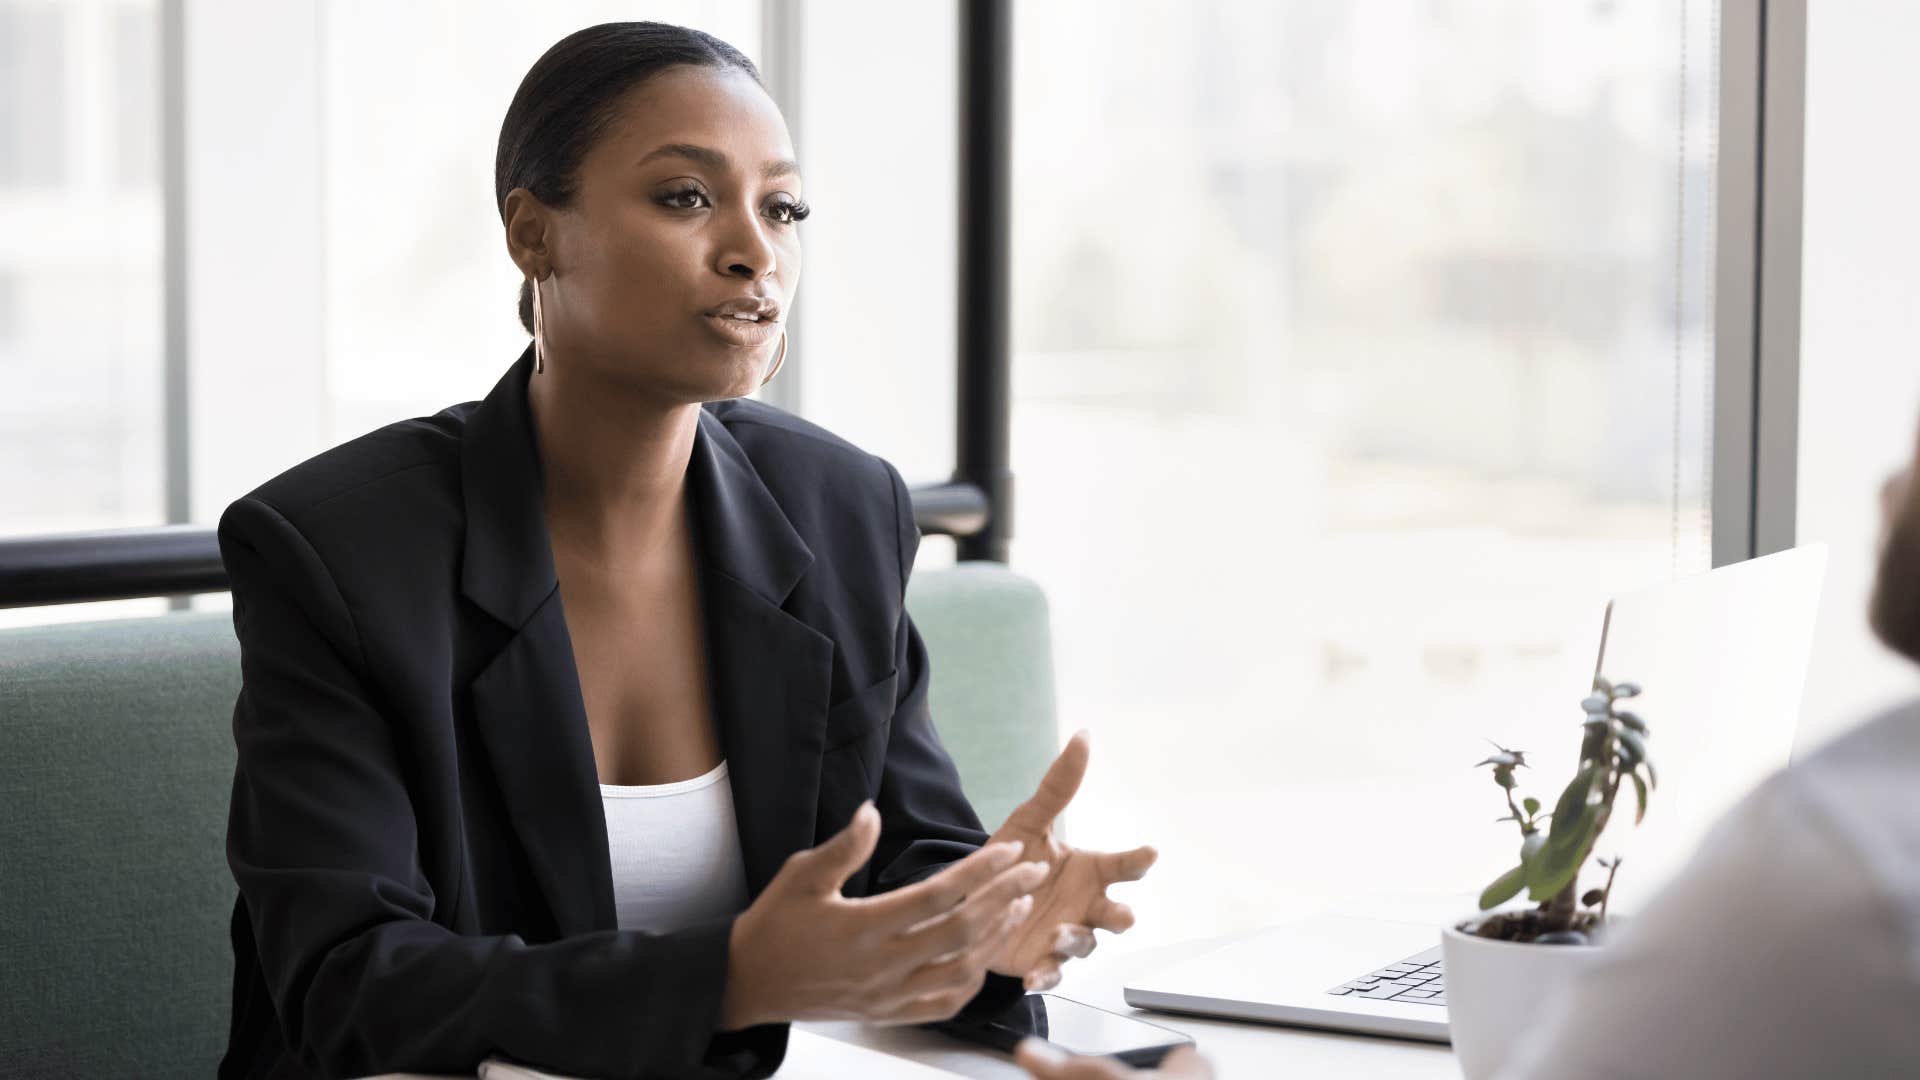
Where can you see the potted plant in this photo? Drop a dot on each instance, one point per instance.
(1503, 965)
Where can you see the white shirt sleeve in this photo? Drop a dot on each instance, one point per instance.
(1776, 953)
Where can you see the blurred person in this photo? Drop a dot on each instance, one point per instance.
(1789, 946)
(585, 724)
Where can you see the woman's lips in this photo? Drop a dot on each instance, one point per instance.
(741, 332)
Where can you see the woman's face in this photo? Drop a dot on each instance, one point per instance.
(685, 203)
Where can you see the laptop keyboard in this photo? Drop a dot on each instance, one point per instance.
(1417, 979)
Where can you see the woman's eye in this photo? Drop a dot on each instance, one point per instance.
(793, 211)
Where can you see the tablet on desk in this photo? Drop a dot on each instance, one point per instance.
(1069, 1025)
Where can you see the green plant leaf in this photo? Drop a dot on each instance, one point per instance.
(1632, 721)
(1640, 792)
(1653, 778)
(1573, 801)
(1601, 684)
(1560, 859)
(1627, 689)
(1530, 804)
(1504, 888)
(1631, 752)
(1556, 865)
(1635, 743)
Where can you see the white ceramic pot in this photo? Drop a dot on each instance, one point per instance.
(1497, 991)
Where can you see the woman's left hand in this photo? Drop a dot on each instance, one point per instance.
(1072, 902)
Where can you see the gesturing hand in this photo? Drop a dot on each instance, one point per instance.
(801, 951)
(1072, 902)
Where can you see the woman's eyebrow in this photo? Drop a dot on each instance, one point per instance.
(717, 161)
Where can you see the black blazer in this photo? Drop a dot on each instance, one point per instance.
(416, 827)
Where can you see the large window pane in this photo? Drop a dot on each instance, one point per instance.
(80, 275)
(1359, 357)
(877, 130)
(1859, 378)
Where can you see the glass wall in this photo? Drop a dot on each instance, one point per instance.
(1860, 318)
(1360, 355)
(879, 140)
(81, 240)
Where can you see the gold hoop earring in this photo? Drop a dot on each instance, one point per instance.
(539, 332)
(781, 359)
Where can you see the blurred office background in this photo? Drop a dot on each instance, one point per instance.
(1360, 351)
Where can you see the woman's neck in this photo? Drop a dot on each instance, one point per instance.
(615, 467)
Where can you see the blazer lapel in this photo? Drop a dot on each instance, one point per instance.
(526, 701)
(769, 671)
(527, 706)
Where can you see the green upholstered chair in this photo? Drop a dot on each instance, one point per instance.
(116, 762)
(992, 696)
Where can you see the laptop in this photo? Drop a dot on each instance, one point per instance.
(1721, 657)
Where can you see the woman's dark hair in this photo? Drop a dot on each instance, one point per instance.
(568, 100)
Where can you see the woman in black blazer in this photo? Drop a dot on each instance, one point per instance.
(420, 847)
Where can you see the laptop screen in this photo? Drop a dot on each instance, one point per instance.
(1721, 658)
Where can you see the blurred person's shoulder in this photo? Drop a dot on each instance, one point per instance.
(1881, 753)
(1831, 840)
(1862, 784)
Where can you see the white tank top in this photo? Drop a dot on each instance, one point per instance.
(675, 852)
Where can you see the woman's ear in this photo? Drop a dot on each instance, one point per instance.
(528, 227)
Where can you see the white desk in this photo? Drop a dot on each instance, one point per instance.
(1238, 1051)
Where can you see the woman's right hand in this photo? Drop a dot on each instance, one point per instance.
(801, 951)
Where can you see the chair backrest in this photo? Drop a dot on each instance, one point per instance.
(991, 695)
(116, 766)
(116, 763)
